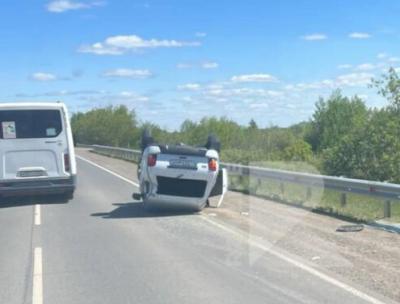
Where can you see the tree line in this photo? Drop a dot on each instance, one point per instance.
(343, 137)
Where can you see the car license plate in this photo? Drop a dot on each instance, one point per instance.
(182, 163)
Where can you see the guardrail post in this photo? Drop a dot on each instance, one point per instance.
(256, 185)
(282, 186)
(343, 199)
(387, 211)
(309, 193)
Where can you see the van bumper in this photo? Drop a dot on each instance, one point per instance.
(37, 186)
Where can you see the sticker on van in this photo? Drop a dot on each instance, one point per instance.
(9, 131)
(51, 132)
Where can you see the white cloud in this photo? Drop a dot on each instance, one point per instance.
(209, 65)
(128, 73)
(201, 34)
(215, 86)
(60, 6)
(203, 65)
(344, 66)
(359, 35)
(359, 79)
(100, 49)
(128, 98)
(62, 93)
(131, 96)
(189, 87)
(394, 59)
(118, 45)
(314, 37)
(273, 93)
(259, 105)
(255, 92)
(381, 55)
(40, 76)
(354, 79)
(254, 78)
(187, 98)
(212, 92)
(365, 67)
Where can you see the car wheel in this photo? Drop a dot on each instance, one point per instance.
(213, 143)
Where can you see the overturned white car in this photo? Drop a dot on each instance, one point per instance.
(181, 175)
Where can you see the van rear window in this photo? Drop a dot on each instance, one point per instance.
(30, 123)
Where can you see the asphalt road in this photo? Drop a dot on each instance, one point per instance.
(102, 247)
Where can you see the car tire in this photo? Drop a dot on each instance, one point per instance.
(213, 143)
(147, 139)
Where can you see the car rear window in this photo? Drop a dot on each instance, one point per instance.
(30, 123)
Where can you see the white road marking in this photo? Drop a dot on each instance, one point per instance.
(109, 171)
(37, 288)
(275, 253)
(37, 215)
(298, 264)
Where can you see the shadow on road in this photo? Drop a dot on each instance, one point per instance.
(18, 201)
(138, 210)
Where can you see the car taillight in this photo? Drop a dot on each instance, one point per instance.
(151, 160)
(212, 164)
(67, 166)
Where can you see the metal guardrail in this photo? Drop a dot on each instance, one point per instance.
(387, 191)
(127, 154)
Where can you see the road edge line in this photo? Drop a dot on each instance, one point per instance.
(298, 264)
(38, 220)
(37, 286)
(107, 170)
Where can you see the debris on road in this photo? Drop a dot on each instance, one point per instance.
(350, 228)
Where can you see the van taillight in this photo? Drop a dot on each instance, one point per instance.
(212, 164)
(151, 160)
(67, 166)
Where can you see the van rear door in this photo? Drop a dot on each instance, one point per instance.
(33, 143)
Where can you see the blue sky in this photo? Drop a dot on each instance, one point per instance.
(173, 60)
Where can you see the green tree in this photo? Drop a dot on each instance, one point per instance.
(389, 87)
(371, 152)
(335, 118)
(114, 126)
(298, 151)
(253, 125)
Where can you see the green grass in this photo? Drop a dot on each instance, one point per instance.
(297, 166)
(358, 207)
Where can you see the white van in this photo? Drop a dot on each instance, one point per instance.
(36, 150)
